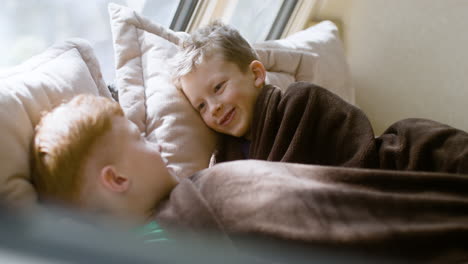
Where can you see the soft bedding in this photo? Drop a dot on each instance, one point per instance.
(307, 124)
(311, 125)
(28, 90)
(402, 194)
(417, 216)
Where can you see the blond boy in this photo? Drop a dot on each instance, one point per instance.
(220, 74)
(89, 155)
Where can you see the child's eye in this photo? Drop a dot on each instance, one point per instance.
(200, 107)
(218, 87)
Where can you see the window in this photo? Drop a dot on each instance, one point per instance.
(260, 20)
(28, 27)
(256, 20)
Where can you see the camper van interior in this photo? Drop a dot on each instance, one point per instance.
(391, 60)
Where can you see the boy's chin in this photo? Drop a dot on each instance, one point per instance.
(238, 134)
(232, 132)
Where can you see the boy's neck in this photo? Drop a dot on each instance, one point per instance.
(248, 135)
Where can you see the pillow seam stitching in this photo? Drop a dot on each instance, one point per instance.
(143, 74)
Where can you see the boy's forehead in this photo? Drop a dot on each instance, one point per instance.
(190, 88)
(122, 125)
(198, 80)
(115, 137)
(209, 70)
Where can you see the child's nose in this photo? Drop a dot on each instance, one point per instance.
(216, 109)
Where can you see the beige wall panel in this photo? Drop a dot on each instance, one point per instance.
(408, 58)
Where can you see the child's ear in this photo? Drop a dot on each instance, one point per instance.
(113, 181)
(259, 72)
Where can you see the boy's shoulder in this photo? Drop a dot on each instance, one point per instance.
(304, 86)
(296, 96)
(295, 89)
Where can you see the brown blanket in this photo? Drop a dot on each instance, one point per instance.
(402, 194)
(310, 125)
(417, 216)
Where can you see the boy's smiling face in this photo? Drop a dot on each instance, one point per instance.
(224, 95)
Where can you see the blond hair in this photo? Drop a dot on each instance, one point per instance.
(215, 38)
(62, 142)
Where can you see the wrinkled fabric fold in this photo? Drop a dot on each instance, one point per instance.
(318, 177)
(310, 125)
(419, 216)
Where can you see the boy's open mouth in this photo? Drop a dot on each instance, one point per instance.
(227, 118)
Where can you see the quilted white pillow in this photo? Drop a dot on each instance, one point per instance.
(148, 96)
(143, 50)
(315, 54)
(26, 91)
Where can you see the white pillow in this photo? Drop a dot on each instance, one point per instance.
(37, 85)
(149, 98)
(315, 54)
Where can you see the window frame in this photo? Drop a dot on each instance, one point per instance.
(291, 18)
(302, 16)
(183, 14)
(282, 18)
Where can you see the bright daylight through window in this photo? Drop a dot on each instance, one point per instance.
(28, 27)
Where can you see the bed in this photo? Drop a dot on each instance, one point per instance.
(389, 214)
